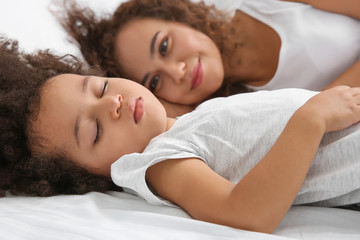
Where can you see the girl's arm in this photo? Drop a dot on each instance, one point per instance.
(350, 77)
(349, 8)
(262, 198)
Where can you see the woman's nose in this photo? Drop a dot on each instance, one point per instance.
(111, 105)
(176, 71)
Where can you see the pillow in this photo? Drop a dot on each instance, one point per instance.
(35, 27)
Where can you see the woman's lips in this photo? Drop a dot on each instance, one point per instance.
(197, 75)
(136, 108)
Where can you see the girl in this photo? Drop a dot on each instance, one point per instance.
(187, 52)
(240, 161)
(23, 77)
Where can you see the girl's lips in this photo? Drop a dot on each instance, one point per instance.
(136, 108)
(197, 75)
(139, 109)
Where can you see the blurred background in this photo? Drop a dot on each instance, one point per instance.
(35, 27)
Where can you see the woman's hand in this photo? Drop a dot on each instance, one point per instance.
(335, 108)
(351, 77)
(349, 8)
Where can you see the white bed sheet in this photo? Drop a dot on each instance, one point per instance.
(120, 215)
(105, 216)
(116, 215)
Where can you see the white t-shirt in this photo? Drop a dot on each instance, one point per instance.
(316, 46)
(232, 134)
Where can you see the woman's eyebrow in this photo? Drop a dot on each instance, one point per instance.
(85, 86)
(152, 53)
(152, 45)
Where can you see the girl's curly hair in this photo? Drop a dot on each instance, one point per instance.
(22, 78)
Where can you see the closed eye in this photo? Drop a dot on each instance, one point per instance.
(104, 88)
(98, 130)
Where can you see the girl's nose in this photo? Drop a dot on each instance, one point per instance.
(112, 105)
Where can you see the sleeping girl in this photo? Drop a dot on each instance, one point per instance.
(240, 161)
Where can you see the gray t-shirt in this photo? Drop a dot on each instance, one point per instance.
(232, 134)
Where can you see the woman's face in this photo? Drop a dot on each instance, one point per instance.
(96, 120)
(176, 62)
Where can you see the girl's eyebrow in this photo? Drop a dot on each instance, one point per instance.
(85, 83)
(85, 86)
(76, 130)
(152, 53)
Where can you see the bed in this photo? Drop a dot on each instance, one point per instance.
(117, 215)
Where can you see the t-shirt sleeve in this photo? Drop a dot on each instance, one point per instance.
(130, 170)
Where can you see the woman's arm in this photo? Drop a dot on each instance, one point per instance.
(346, 7)
(349, 8)
(262, 198)
(350, 77)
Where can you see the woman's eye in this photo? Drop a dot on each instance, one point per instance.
(163, 47)
(98, 129)
(153, 83)
(104, 89)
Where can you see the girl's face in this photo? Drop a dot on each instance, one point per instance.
(97, 120)
(176, 62)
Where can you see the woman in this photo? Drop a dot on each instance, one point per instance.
(187, 52)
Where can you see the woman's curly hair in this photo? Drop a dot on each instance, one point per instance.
(96, 36)
(22, 78)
